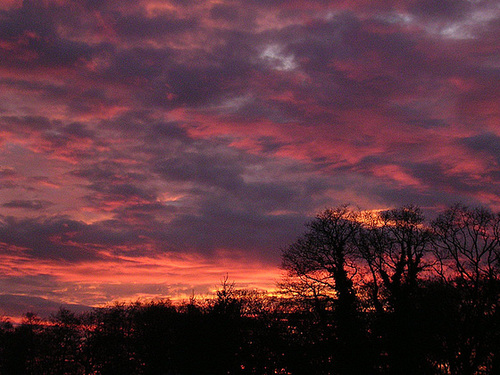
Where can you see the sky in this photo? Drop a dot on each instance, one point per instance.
(148, 148)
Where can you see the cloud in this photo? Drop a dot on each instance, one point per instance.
(30, 36)
(57, 238)
(11, 305)
(486, 144)
(194, 129)
(27, 204)
(8, 178)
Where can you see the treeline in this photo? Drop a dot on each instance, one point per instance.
(366, 293)
(236, 332)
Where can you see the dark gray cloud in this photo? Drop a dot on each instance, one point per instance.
(166, 131)
(30, 88)
(12, 305)
(225, 12)
(8, 178)
(27, 204)
(26, 123)
(446, 9)
(211, 169)
(63, 239)
(141, 27)
(32, 33)
(63, 135)
(485, 143)
(107, 172)
(220, 226)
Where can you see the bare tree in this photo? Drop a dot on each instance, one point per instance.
(467, 247)
(320, 267)
(319, 263)
(468, 244)
(394, 245)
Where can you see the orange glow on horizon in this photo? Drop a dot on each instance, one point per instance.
(126, 279)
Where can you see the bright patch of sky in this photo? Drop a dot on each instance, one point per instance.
(274, 56)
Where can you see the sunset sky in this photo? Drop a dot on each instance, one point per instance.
(149, 147)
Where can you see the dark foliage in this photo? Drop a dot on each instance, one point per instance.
(383, 293)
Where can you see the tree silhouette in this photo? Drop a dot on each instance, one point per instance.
(395, 246)
(467, 247)
(320, 266)
(61, 340)
(110, 345)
